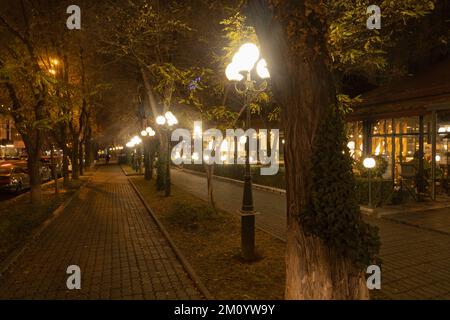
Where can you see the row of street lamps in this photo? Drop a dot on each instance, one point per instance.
(165, 122)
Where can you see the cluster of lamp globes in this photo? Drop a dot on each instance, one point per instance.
(168, 118)
(244, 61)
(116, 148)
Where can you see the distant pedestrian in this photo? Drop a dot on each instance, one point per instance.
(108, 156)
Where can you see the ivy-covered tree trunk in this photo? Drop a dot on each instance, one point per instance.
(293, 40)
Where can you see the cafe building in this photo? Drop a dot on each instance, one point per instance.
(407, 123)
(11, 144)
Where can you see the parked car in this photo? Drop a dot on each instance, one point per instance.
(13, 177)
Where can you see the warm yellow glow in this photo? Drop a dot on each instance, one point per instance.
(144, 133)
(52, 71)
(378, 149)
(351, 145)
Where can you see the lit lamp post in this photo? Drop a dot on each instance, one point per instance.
(135, 141)
(166, 122)
(369, 164)
(240, 71)
(146, 135)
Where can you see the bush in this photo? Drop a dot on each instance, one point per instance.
(382, 191)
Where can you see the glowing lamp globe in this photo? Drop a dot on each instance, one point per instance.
(144, 133)
(171, 119)
(160, 120)
(246, 58)
(232, 73)
(261, 69)
(369, 163)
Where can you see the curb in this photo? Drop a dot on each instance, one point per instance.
(254, 185)
(130, 174)
(17, 253)
(177, 252)
(415, 226)
(27, 193)
(376, 212)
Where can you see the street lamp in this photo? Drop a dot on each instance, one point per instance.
(240, 71)
(166, 122)
(148, 159)
(369, 164)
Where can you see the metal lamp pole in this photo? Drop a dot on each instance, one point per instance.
(167, 121)
(247, 209)
(244, 61)
(369, 164)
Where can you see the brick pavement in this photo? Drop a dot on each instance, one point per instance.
(415, 251)
(108, 233)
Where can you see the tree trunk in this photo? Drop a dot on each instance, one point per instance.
(147, 161)
(54, 171)
(303, 86)
(65, 166)
(88, 146)
(81, 158)
(35, 176)
(161, 170)
(209, 169)
(74, 158)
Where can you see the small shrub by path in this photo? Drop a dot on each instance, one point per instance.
(211, 243)
(19, 218)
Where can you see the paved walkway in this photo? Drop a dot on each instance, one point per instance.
(108, 233)
(415, 251)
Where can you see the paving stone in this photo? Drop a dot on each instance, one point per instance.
(109, 234)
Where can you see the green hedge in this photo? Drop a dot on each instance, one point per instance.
(382, 191)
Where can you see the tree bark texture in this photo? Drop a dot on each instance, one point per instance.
(292, 36)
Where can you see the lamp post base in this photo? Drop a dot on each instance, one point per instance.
(248, 235)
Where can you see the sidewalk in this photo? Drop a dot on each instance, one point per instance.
(109, 234)
(416, 257)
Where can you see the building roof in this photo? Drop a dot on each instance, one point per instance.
(412, 95)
